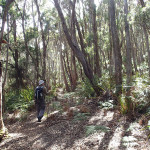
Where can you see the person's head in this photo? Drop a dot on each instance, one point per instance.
(41, 82)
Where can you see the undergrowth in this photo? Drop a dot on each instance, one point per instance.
(22, 100)
(92, 129)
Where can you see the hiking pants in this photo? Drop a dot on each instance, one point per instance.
(40, 109)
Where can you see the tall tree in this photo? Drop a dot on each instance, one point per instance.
(43, 41)
(16, 59)
(146, 37)
(76, 50)
(6, 8)
(36, 47)
(128, 45)
(97, 68)
(116, 48)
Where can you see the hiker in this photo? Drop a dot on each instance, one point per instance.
(40, 93)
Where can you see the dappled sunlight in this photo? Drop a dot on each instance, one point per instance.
(74, 75)
(134, 140)
(115, 141)
(130, 141)
(90, 142)
(37, 143)
(11, 137)
(101, 116)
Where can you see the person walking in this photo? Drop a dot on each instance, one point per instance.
(40, 93)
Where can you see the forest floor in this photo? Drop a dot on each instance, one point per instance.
(100, 130)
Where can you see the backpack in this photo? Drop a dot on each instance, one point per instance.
(39, 93)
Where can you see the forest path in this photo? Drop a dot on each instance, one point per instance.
(115, 133)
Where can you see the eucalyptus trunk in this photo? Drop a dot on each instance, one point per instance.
(146, 38)
(63, 71)
(76, 50)
(97, 68)
(128, 45)
(116, 48)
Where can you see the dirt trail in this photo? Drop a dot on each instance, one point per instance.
(71, 134)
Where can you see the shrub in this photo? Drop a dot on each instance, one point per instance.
(19, 101)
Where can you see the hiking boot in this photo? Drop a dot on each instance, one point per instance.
(39, 119)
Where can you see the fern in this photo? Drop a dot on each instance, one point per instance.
(81, 116)
(92, 129)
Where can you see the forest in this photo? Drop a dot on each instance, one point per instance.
(93, 57)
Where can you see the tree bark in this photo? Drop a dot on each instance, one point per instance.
(97, 68)
(63, 71)
(116, 48)
(5, 75)
(75, 21)
(146, 37)
(128, 45)
(111, 60)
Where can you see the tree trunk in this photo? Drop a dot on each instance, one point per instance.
(111, 66)
(63, 71)
(73, 72)
(134, 55)
(24, 35)
(128, 45)
(76, 50)
(97, 68)
(16, 56)
(5, 75)
(147, 38)
(8, 3)
(36, 49)
(43, 40)
(116, 48)
(75, 22)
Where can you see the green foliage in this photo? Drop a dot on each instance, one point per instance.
(31, 33)
(2, 3)
(139, 14)
(141, 93)
(89, 39)
(92, 129)
(19, 101)
(123, 104)
(106, 82)
(69, 95)
(139, 96)
(81, 116)
(27, 94)
(87, 89)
